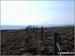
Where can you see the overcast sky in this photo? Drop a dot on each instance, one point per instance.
(37, 12)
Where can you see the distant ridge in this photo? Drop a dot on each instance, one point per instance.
(12, 27)
(8, 27)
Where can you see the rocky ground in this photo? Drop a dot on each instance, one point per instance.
(30, 42)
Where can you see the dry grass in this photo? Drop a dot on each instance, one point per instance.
(20, 42)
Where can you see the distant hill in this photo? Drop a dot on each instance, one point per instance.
(6, 27)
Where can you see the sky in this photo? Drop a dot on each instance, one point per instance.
(37, 12)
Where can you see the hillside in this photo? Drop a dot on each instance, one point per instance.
(28, 42)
